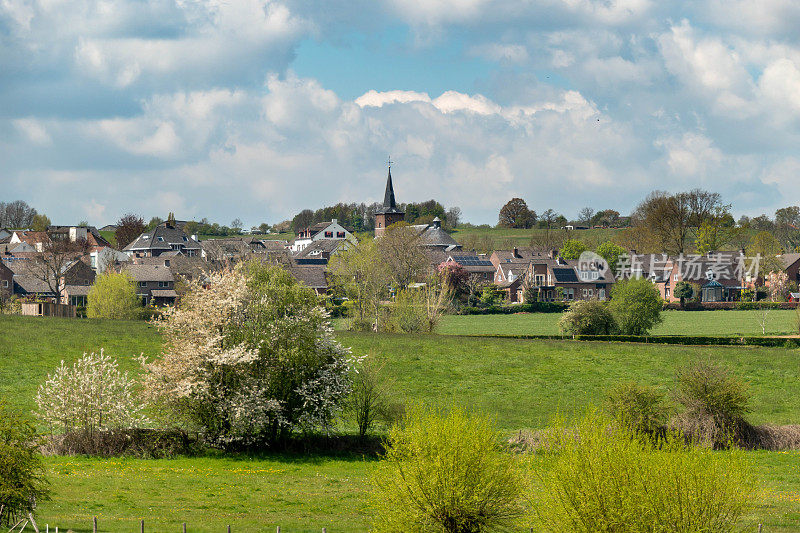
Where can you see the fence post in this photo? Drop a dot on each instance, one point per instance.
(184, 527)
(759, 528)
(229, 529)
(141, 525)
(279, 529)
(94, 524)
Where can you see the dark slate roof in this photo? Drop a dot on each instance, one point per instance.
(320, 248)
(187, 267)
(788, 260)
(31, 285)
(163, 293)
(431, 235)
(565, 275)
(310, 275)
(161, 238)
(389, 203)
(77, 290)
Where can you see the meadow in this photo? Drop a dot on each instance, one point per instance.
(520, 383)
(711, 323)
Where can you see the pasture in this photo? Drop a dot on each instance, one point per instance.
(520, 383)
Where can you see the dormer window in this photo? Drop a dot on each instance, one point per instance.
(161, 239)
(185, 239)
(145, 237)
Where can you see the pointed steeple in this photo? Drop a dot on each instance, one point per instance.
(388, 197)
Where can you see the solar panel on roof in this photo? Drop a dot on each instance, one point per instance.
(565, 275)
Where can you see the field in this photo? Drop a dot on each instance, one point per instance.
(508, 237)
(521, 383)
(712, 323)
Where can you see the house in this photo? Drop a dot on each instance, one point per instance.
(181, 267)
(76, 280)
(322, 230)
(35, 240)
(512, 264)
(163, 238)
(94, 241)
(26, 281)
(104, 258)
(312, 276)
(791, 265)
(6, 281)
(155, 284)
(433, 236)
(557, 278)
(319, 252)
(389, 213)
(476, 265)
(721, 275)
(655, 267)
(230, 250)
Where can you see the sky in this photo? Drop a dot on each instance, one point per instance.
(256, 109)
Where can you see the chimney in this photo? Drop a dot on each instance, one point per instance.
(516, 253)
(437, 223)
(333, 221)
(741, 251)
(166, 262)
(633, 251)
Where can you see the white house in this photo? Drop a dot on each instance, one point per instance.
(103, 258)
(321, 231)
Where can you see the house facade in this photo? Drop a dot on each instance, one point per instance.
(321, 231)
(561, 279)
(155, 284)
(163, 239)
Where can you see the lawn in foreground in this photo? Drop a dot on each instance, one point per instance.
(299, 494)
(711, 323)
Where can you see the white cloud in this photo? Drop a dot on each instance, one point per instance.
(34, 130)
(374, 98)
(512, 53)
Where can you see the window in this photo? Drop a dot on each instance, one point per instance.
(601, 293)
(666, 292)
(189, 253)
(163, 284)
(675, 277)
(590, 292)
(585, 293)
(328, 234)
(5, 283)
(145, 237)
(570, 294)
(584, 274)
(161, 239)
(340, 235)
(539, 279)
(595, 274)
(142, 284)
(185, 239)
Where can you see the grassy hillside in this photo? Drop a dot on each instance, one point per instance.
(715, 323)
(520, 383)
(507, 237)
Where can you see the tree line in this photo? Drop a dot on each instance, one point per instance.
(361, 217)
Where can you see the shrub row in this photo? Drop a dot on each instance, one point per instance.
(666, 339)
(532, 307)
(720, 306)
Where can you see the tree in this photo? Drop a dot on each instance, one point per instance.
(359, 274)
(672, 216)
(401, 255)
(113, 295)
(154, 222)
(515, 214)
(765, 246)
(237, 224)
(586, 215)
(787, 226)
(249, 358)
(91, 396)
(587, 317)
(129, 227)
(302, 220)
(22, 474)
(636, 305)
(572, 249)
(453, 217)
(683, 290)
(446, 472)
(611, 252)
(368, 402)
(40, 222)
(51, 264)
(17, 215)
(548, 218)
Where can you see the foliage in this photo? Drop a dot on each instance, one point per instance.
(129, 227)
(446, 472)
(249, 357)
(588, 317)
(93, 395)
(765, 245)
(670, 217)
(16, 215)
(456, 275)
(683, 290)
(368, 402)
(490, 295)
(778, 283)
(40, 222)
(636, 306)
(607, 477)
(359, 274)
(407, 312)
(515, 214)
(572, 249)
(715, 402)
(113, 295)
(22, 474)
(611, 253)
(639, 407)
(400, 254)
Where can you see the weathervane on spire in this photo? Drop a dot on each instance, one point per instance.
(389, 162)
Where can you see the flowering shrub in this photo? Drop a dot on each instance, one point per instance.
(92, 395)
(249, 356)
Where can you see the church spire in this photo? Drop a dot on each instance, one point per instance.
(388, 197)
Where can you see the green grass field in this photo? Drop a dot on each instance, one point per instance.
(508, 237)
(521, 383)
(711, 323)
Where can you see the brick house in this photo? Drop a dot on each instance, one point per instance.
(791, 265)
(561, 279)
(155, 284)
(6, 282)
(163, 239)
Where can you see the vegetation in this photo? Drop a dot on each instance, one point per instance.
(587, 317)
(129, 227)
(113, 295)
(636, 306)
(22, 475)
(249, 358)
(515, 214)
(572, 249)
(612, 478)
(684, 290)
(446, 472)
(638, 407)
(369, 400)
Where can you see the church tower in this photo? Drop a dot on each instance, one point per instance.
(388, 214)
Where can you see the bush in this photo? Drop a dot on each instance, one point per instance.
(715, 403)
(446, 472)
(368, 401)
(639, 407)
(249, 358)
(606, 477)
(91, 396)
(587, 317)
(113, 295)
(636, 306)
(408, 313)
(22, 474)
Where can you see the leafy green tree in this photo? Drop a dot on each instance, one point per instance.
(636, 305)
(129, 227)
(572, 249)
(446, 472)
(113, 295)
(490, 295)
(611, 252)
(587, 317)
(22, 474)
(683, 290)
(515, 214)
(40, 222)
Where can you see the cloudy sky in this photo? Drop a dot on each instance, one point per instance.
(259, 108)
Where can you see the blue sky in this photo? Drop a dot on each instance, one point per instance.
(259, 108)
